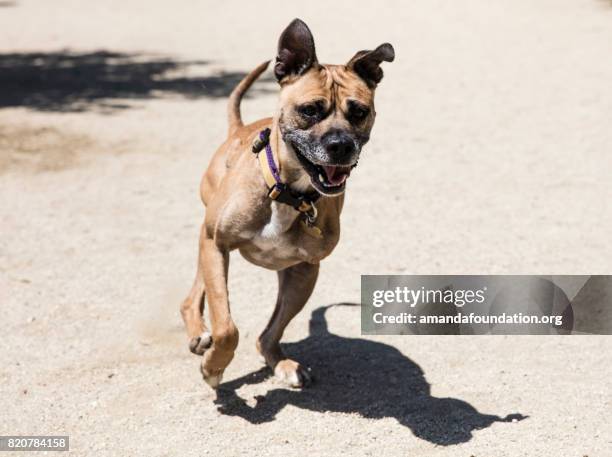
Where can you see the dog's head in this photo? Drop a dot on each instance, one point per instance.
(326, 111)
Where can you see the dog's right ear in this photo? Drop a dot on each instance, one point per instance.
(296, 50)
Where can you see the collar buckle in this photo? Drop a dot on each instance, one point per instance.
(277, 190)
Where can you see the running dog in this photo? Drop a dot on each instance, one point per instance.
(274, 191)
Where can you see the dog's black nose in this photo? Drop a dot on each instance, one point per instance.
(338, 145)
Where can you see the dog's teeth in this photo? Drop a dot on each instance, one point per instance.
(321, 178)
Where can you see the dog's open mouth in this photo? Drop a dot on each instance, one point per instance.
(326, 179)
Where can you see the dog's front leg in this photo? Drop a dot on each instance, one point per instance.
(295, 285)
(215, 263)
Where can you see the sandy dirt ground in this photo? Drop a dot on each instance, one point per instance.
(491, 154)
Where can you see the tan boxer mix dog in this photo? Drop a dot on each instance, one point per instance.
(262, 189)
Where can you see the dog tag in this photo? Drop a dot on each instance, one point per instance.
(311, 229)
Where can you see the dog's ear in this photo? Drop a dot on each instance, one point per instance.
(367, 63)
(296, 50)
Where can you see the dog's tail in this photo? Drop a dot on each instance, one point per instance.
(233, 105)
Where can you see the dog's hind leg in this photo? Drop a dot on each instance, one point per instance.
(295, 285)
(192, 310)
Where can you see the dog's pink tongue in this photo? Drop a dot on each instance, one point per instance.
(336, 175)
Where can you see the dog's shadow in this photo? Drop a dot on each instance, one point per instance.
(365, 377)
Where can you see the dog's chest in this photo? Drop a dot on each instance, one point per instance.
(282, 242)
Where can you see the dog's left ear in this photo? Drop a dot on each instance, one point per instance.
(296, 50)
(367, 63)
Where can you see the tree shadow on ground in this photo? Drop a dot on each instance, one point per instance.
(365, 377)
(72, 82)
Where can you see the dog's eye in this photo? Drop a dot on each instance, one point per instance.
(309, 110)
(357, 113)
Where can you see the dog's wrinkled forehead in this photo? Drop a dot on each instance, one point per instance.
(302, 78)
(333, 83)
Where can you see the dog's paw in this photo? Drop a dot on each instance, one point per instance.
(199, 344)
(292, 373)
(212, 379)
